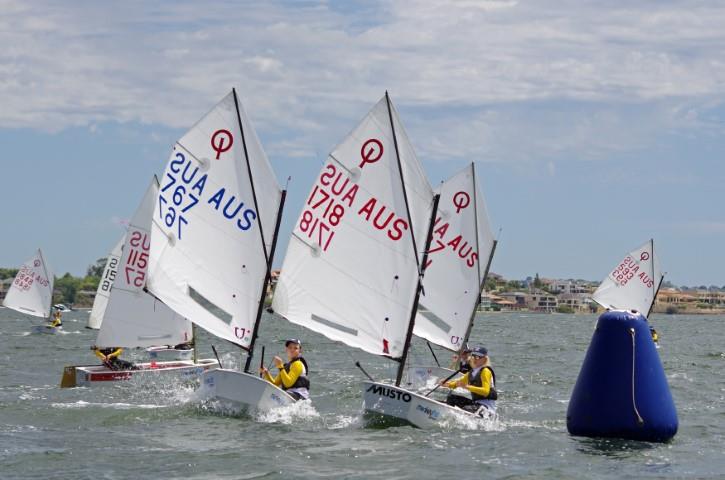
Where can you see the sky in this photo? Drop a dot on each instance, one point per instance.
(594, 126)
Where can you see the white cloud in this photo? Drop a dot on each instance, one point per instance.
(311, 70)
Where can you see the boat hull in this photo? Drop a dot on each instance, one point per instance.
(385, 404)
(45, 329)
(92, 375)
(166, 354)
(242, 391)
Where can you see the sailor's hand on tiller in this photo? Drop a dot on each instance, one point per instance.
(278, 362)
(263, 370)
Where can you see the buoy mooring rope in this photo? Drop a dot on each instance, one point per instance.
(640, 420)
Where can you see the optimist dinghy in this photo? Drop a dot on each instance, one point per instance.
(213, 241)
(31, 292)
(133, 318)
(634, 283)
(353, 269)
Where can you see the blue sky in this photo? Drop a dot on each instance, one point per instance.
(592, 128)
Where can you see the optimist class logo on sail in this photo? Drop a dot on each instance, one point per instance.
(335, 193)
(185, 187)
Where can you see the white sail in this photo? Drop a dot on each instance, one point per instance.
(459, 251)
(104, 286)
(633, 283)
(207, 259)
(32, 290)
(350, 271)
(133, 317)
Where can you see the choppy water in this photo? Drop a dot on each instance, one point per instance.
(159, 431)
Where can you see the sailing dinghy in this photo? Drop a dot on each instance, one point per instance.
(354, 266)
(459, 258)
(32, 291)
(213, 241)
(103, 292)
(133, 318)
(634, 283)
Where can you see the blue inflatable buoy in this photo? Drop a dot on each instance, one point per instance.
(622, 391)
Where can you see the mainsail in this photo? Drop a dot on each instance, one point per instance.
(634, 282)
(211, 235)
(32, 290)
(104, 286)
(458, 258)
(352, 266)
(133, 317)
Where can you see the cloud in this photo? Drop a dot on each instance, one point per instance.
(460, 71)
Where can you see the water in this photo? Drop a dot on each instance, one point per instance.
(138, 430)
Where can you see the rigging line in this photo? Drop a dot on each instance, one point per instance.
(640, 420)
(251, 179)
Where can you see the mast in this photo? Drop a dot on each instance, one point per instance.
(652, 306)
(414, 310)
(194, 355)
(478, 302)
(402, 182)
(267, 280)
(45, 270)
(411, 324)
(481, 281)
(256, 208)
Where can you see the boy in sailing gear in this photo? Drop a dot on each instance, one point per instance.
(463, 361)
(292, 376)
(480, 381)
(57, 322)
(109, 357)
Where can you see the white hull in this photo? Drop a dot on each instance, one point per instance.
(89, 375)
(383, 403)
(166, 354)
(45, 329)
(241, 391)
(426, 376)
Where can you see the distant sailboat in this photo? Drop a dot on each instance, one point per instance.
(104, 286)
(459, 258)
(213, 242)
(32, 291)
(634, 283)
(133, 318)
(354, 266)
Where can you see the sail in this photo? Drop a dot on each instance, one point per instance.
(32, 290)
(461, 246)
(633, 283)
(351, 272)
(208, 261)
(104, 286)
(134, 318)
